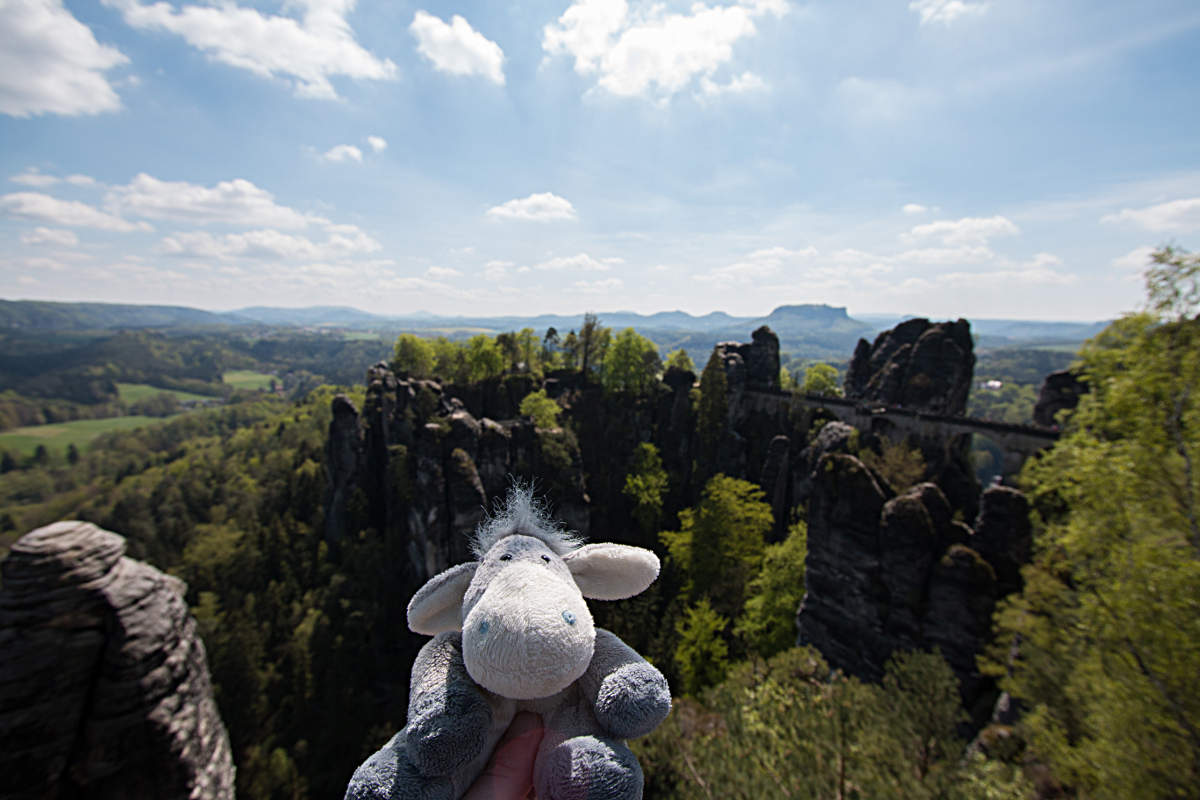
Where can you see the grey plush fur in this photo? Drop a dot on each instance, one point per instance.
(454, 722)
(523, 513)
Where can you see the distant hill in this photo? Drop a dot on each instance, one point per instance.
(38, 315)
(809, 331)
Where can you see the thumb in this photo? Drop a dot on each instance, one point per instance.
(509, 773)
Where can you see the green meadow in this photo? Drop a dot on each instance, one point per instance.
(137, 392)
(247, 379)
(58, 436)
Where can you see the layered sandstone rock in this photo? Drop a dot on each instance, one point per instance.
(918, 364)
(886, 574)
(104, 685)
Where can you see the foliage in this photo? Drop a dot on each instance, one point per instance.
(680, 360)
(543, 409)
(645, 485)
(1173, 283)
(483, 358)
(702, 655)
(1012, 402)
(1109, 619)
(900, 465)
(593, 342)
(631, 364)
(413, 356)
(720, 543)
(767, 624)
(821, 379)
(789, 728)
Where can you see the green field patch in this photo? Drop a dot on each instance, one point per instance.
(137, 392)
(245, 379)
(58, 436)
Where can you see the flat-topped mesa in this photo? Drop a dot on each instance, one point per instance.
(104, 685)
(919, 364)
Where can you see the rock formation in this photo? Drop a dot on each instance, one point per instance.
(752, 365)
(104, 685)
(891, 573)
(1061, 390)
(918, 364)
(420, 468)
(926, 367)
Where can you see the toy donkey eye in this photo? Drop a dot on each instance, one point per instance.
(546, 559)
(506, 557)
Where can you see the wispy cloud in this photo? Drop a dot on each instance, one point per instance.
(944, 12)
(51, 63)
(1176, 216)
(457, 48)
(543, 207)
(342, 153)
(308, 50)
(235, 202)
(40, 207)
(656, 52)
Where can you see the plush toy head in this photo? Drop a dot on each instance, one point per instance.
(526, 630)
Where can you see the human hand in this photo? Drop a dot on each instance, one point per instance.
(509, 773)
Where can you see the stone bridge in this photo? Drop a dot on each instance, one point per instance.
(1018, 442)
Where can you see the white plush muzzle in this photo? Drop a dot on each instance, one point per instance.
(530, 634)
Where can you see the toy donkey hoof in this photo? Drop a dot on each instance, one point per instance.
(512, 633)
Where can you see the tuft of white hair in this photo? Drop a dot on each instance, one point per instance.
(522, 514)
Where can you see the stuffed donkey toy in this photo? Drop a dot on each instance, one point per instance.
(512, 633)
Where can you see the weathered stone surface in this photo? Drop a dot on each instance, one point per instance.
(918, 364)
(886, 574)
(423, 467)
(1060, 391)
(343, 454)
(1004, 535)
(104, 684)
(753, 365)
(775, 483)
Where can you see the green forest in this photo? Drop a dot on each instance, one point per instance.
(1101, 647)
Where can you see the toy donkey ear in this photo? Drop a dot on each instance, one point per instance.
(612, 571)
(437, 606)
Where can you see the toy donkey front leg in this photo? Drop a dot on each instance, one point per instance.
(629, 697)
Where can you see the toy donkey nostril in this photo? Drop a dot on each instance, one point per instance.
(569, 617)
(483, 626)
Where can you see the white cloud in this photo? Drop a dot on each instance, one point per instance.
(378, 143)
(50, 236)
(581, 262)
(970, 254)
(945, 11)
(80, 180)
(442, 273)
(598, 287)
(1135, 261)
(457, 48)
(269, 244)
(50, 63)
(542, 207)
(757, 266)
(32, 177)
(496, 270)
(1177, 216)
(235, 202)
(342, 153)
(40, 207)
(739, 84)
(913, 208)
(652, 51)
(965, 231)
(309, 50)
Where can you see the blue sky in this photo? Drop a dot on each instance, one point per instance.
(1008, 158)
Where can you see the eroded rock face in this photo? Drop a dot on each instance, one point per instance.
(104, 683)
(1060, 391)
(918, 364)
(420, 468)
(886, 574)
